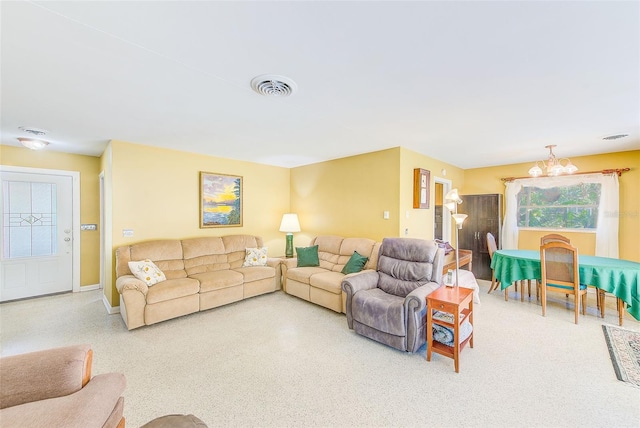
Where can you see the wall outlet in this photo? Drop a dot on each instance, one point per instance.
(406, 231)
(88, 227)
(127, 232)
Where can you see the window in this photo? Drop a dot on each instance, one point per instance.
(560, 207)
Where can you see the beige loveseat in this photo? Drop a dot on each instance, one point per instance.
(202, 273)
(322, 284)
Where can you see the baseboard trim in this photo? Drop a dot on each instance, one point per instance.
(90, 287)
(110, 309)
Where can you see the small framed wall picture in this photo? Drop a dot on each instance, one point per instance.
(421, 181)
(220, 200)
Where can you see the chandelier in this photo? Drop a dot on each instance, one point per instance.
(553, 165)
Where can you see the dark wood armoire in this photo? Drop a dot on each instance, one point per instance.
(484, 216)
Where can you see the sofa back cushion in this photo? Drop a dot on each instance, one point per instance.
(217, 252)
(166, 254)
(405, 264)
(335, 251)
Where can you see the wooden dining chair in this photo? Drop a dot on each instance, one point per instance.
(554, 237)
(492, 247)
(559, 265)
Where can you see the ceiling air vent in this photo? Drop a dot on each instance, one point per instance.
(272, 85)
(615, 137)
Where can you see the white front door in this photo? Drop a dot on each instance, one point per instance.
(36, 228)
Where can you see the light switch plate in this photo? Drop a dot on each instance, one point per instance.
(88, 227)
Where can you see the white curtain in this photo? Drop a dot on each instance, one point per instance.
(607, 229)
(608, 217)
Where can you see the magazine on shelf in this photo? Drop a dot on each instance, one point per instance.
(445, 316)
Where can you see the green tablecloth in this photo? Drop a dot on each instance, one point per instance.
(618, 277)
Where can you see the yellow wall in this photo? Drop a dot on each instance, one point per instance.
(155, 192)
(89, 167)
(348, 196)
(419, 222)
(487, 180)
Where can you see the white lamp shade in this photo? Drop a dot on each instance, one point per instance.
(459, 218)
(453, 195)
(290, 223)
(535, 171)
(451, 206)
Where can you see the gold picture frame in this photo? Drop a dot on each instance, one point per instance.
(220, 200)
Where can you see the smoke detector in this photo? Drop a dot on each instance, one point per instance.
(273, 85)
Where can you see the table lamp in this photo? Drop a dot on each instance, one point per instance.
(453, 199)
(289, 225)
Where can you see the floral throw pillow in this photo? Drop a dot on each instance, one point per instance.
(147, 271)
(256, 257)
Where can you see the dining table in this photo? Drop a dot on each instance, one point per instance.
(616, 276)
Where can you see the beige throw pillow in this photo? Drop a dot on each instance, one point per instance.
(147, 271)
(256, 257)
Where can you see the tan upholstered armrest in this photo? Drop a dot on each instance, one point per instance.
(44, 374)
(130, 282)
(89, 407)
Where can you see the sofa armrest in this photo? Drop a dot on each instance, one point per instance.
(277, 265)
(285, 265)
(91, 406)
(130, 282)
(44, 374)
(415, 305)
(353, 283)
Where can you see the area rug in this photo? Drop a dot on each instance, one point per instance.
(624, 349)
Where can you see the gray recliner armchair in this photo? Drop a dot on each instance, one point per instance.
(389, 305)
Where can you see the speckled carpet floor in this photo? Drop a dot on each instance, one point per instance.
(278, 361)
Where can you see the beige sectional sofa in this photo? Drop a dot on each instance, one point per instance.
(201, 273)
(322, 284)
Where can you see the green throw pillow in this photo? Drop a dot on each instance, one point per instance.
(307, 256)
(355, 264)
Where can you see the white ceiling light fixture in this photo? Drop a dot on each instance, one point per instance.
(553, 165)
(33, 143)
(273, 85)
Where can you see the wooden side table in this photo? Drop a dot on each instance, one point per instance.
(455, 301)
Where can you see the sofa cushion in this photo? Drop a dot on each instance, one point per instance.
(147, 271)
(304, 274)
(329, 281)
(166, 254)
(355, 264)
(215, 280)
(172, 289)
(307, 256)
(256, 273)
(255, 257)
(379, 310)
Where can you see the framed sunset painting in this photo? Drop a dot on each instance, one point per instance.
(220, 200)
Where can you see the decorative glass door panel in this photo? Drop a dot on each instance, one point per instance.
(36, 235)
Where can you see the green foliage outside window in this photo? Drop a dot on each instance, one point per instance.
(564, 207)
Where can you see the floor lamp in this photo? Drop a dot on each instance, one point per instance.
(289, 225)
(452, 199)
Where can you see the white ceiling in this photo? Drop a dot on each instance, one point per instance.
(470, 83)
